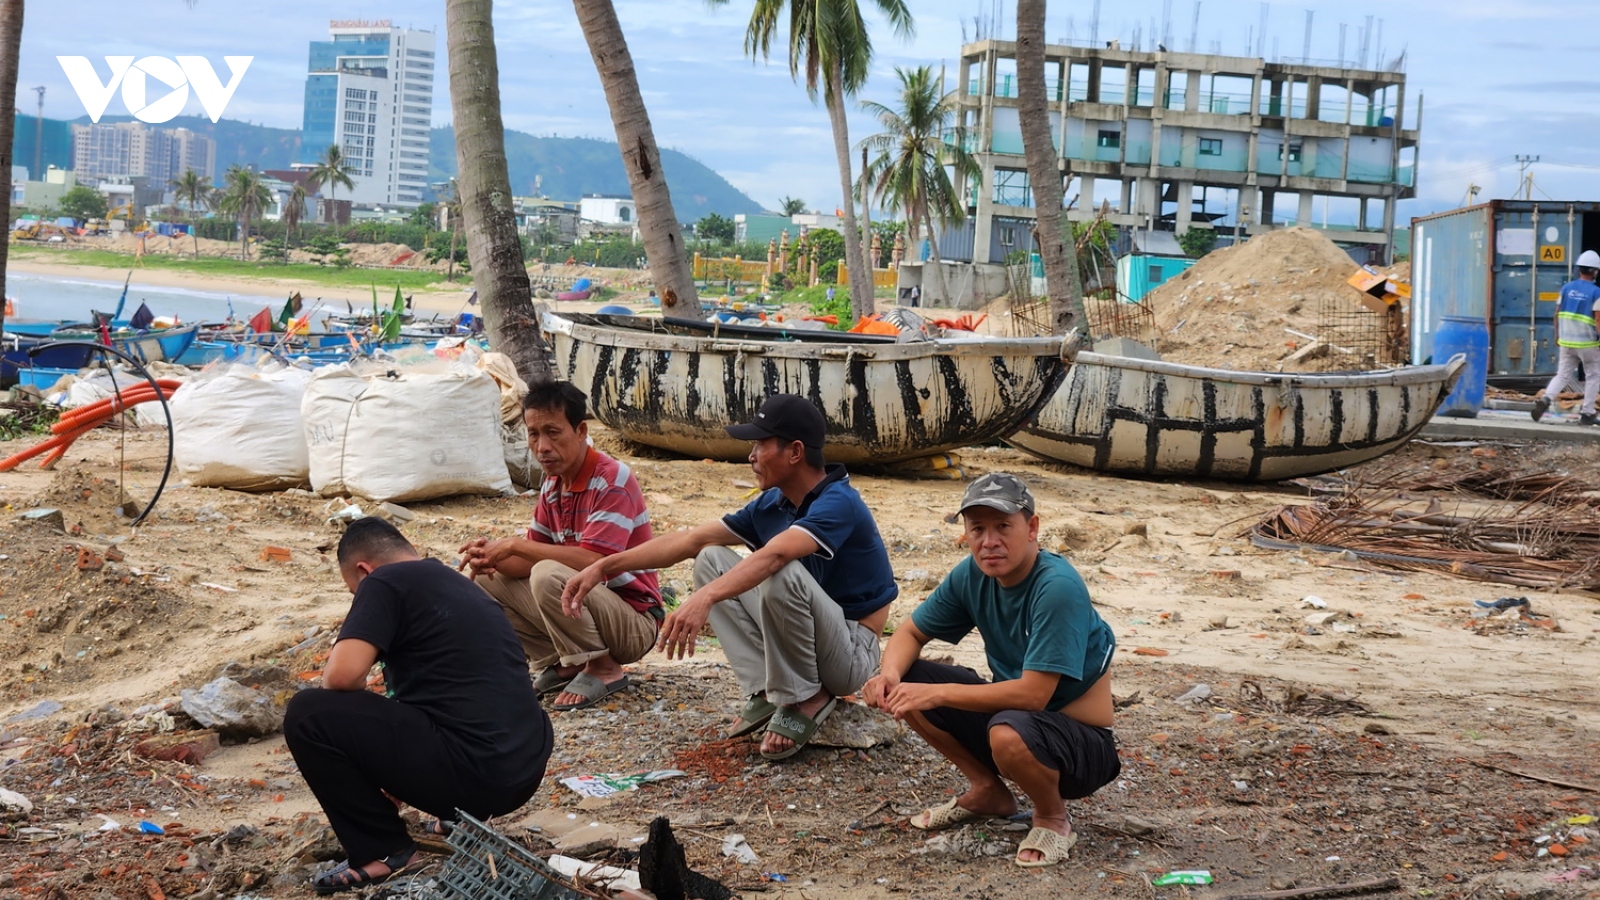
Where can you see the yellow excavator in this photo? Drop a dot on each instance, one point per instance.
(35, 230)
(123, 212)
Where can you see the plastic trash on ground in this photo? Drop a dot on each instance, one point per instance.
(1182, 876)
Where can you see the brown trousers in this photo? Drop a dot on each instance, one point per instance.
(550, 636)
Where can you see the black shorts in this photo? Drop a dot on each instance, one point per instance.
(1085, 756)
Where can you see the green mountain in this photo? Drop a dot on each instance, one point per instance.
(566, 168)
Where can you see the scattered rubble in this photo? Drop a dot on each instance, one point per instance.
(233, 710)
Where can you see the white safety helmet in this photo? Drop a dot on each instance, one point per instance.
(1589, 259)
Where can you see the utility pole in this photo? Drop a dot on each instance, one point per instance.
(1523, 182)
(38, 137)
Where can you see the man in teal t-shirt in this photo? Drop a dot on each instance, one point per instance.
(1044, 723)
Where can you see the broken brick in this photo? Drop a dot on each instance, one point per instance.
(274, 554)
(191, 747)
(90, 561)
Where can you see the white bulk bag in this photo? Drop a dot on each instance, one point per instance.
(240, 428)
(403, 435)
(520, 462)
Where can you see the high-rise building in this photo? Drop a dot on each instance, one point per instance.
(111, 150)
(369, 90)
(193, 151)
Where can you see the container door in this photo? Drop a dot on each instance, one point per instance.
(1450, 273)
(1530, 267)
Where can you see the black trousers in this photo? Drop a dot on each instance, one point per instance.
(353, 746)
(1084, 755)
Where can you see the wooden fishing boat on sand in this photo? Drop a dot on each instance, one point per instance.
(664, 384)
(1147, 417)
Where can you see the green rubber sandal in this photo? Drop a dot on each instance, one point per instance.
(757, 711)
(793, 724)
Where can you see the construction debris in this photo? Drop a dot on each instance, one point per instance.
(1550, 542)
(1298, 701)
(1471, 476)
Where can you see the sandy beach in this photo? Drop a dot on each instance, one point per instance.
(442, 298)
(445, 299)
(1286, 719)
(1322, 755)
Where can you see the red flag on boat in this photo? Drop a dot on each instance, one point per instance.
(261, 322)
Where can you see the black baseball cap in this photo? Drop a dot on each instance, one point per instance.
(789, 417)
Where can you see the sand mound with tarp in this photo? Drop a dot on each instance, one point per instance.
(1231, 309)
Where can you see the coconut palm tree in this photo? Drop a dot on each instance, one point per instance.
(1044, 171)
(244, 196)
(195, 193)
(484, 187)
(792, 206)
(829, 40)
(292, 211)
(658, 225)
(10, 51)
(332, 170)
(912, 170)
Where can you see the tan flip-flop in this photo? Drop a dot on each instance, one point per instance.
(938, 817)
(1052, 846)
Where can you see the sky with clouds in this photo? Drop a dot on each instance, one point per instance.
(1499, 78)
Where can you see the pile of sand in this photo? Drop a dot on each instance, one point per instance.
(385, 255)
(1231, 309)
(161, 245)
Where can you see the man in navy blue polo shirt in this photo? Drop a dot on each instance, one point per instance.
(799, 618)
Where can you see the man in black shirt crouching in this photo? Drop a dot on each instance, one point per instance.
(459, 726)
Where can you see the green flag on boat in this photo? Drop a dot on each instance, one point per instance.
(291, 308)
(392, 318)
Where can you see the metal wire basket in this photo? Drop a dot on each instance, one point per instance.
(488, 866)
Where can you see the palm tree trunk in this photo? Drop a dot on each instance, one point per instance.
(933, 257)
(866, 214)
(10, 50)
(658, 224)
(485, 190)
(450, 275)
(861, 303)
(1044, 171)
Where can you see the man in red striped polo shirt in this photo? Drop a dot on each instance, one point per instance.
(589, 507)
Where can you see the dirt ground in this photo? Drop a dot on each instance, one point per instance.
(1321, 756)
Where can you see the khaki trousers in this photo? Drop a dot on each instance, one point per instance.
(549, 636)
(786, 636)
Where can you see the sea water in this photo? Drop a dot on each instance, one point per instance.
(51, 298)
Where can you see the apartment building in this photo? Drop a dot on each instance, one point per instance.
(106, 150)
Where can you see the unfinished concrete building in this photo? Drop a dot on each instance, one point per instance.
(1187, 140)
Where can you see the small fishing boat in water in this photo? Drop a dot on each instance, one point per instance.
(676, 384)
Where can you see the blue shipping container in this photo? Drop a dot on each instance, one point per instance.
(1502, 262)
